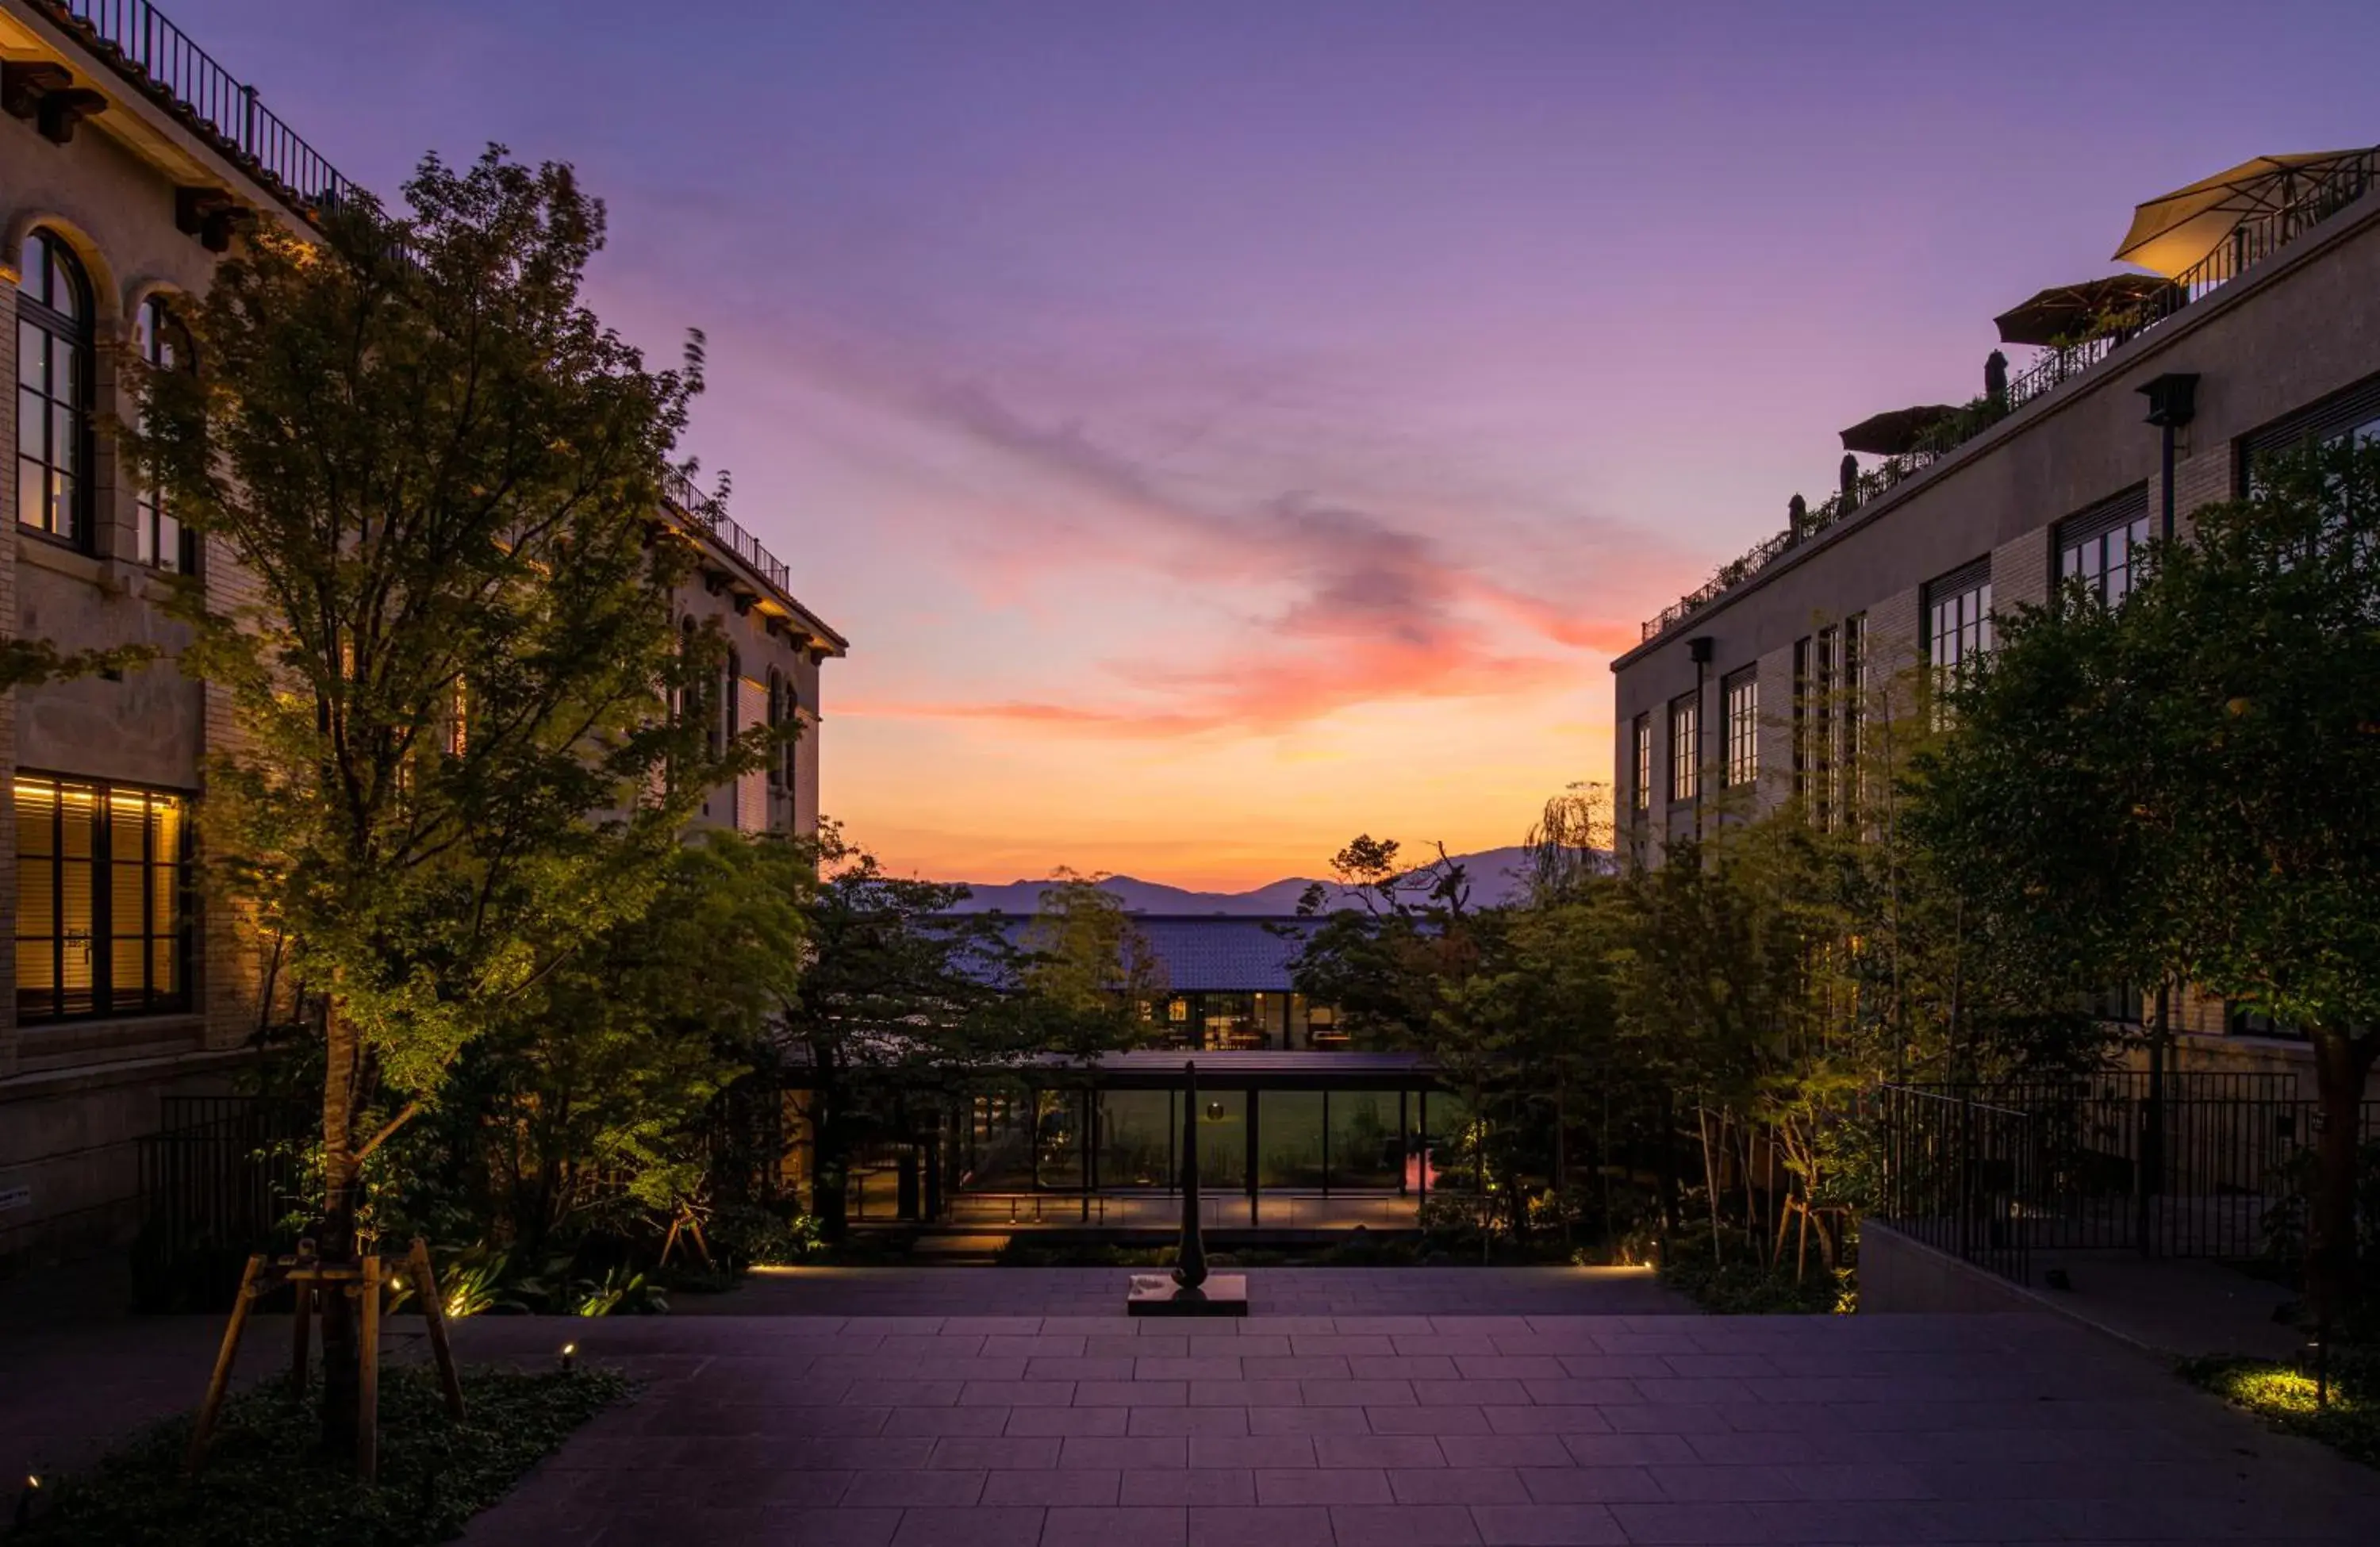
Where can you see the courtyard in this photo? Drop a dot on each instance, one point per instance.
(1526, 1407)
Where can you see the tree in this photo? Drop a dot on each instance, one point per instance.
(451, 650)
(599, 1093)
(1089, 967)
(900, 999)
(2179, 790)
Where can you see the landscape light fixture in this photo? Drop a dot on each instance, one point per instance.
(25, 1502)
(569, 1359)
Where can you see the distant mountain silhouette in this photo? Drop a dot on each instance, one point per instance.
(1497, 875)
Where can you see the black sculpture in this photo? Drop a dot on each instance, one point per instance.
(1190, 1262)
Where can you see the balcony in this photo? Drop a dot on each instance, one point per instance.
(2249, 243)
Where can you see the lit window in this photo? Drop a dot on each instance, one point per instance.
(53, 386)
(156, 535)
(1740, 699)
(1640, 789)
(1686, 748)
(101, 900)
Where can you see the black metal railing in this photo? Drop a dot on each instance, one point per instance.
(710, 512)
(1959, 1174)
(144, 47)
(218, 1179)
(2321, 192)
(2202, 1165)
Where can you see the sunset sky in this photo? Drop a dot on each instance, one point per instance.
(1222, 428)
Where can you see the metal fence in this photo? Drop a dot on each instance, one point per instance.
(147, 49)
(217, 1179)
(2210, 1165)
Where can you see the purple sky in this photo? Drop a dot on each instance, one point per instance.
(1222, 428)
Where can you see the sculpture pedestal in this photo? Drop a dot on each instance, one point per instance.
(1157, 1295)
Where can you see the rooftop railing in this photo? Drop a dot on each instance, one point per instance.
(142, 45)
(707, 511)
(2251, 242)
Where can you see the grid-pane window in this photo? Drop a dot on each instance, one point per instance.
(1850, 720)
(156, 535)
(53, 370)
(1959, 619)
(1686, 748)
(102, 918)
(2103, 548)
(1741, 698)
(1640, 786)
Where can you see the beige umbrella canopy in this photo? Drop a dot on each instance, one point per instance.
(2171, 233)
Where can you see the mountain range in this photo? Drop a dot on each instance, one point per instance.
(1497, 875)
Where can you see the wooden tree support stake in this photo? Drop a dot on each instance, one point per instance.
(433, 1315)
(301, 1338)
(220, 1381)
(368, 1296)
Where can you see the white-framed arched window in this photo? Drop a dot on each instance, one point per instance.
(776, 726)
(53, 391)
(157, 537)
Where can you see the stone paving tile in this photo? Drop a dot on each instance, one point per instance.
(1192, 1486)
(1235, 1526)
(1063, 1421)
(1545, 1525)
(1419, 1525)
(1138, 1525)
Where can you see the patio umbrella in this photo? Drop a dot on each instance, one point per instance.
(2171, 233)
(2066, 313)
(1892, 434)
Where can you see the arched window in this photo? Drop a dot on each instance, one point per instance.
(776, 726)
(157, 538)
(723, 719)
(792, 746)
(53, 372)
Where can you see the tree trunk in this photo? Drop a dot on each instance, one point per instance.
(2342, 1066)
(335, 1235)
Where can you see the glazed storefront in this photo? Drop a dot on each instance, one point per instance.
(1320, 1125)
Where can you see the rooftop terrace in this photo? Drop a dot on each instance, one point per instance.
(2332, 186)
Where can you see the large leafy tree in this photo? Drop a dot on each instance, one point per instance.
(902, 1005)
(2181, 790)
(447, 638)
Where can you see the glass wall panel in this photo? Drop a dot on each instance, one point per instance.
(1289, 1140)
(1451, 1153)
(1364, 1145)
(1223, 1140)
(1136, 1145)
(999, 1148)
(1058, 1132)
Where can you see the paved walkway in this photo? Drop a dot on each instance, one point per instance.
(904, 1411)
(985, 1429)
(956, 1291)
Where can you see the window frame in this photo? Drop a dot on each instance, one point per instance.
(102, 934)
(155, 335)
(2085, 537)
(78, 336)
(1685, 749)
(1640, 752)
(1740, 728)
(1971, 628)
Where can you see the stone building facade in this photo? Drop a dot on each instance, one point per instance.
(2286, 348)
(128, 163)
